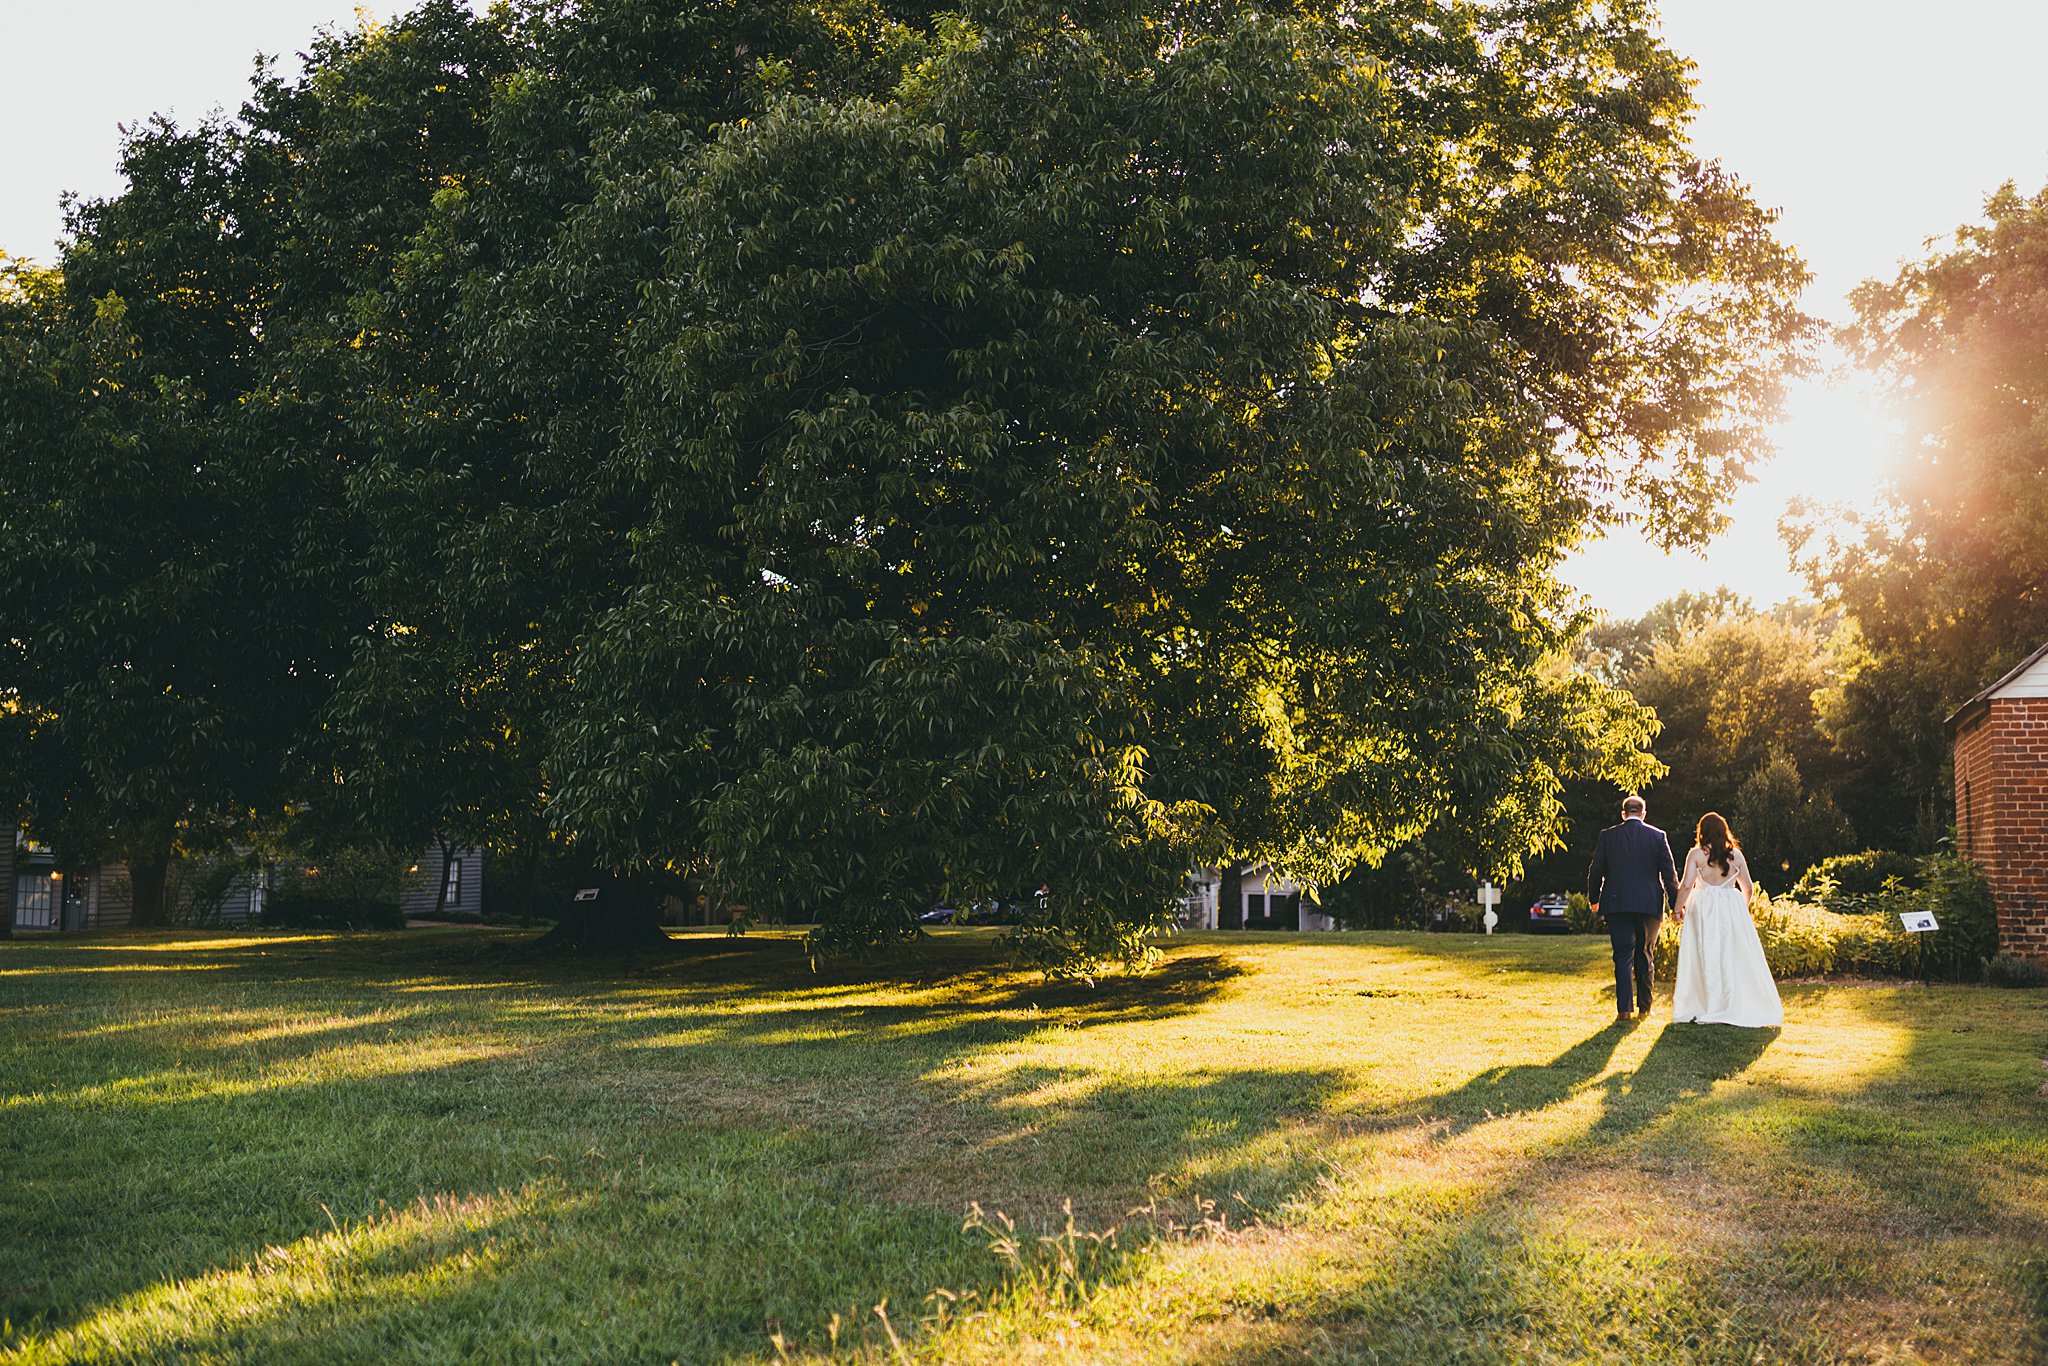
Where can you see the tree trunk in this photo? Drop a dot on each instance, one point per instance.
(530, 855)
(605, 913)
(1230, 898)
(441, 892)
(148, 877)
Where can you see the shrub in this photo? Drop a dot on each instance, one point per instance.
(1854, 875)
(347, 889)
(1876, 946)
(1955, 890)
(1806, 941)
(2004, 970)
(1455, 917)
(1809, 941)
(1799, 940)
(1402, 893)
(197, 888)
(1578, 914)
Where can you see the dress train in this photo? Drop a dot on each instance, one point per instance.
(1723, 977)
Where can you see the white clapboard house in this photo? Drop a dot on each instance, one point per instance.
(1266, 900)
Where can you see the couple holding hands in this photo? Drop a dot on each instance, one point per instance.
(1723, 977)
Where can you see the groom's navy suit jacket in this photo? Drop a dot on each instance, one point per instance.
(1632, 872)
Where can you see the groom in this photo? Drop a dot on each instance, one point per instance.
(1632, 868)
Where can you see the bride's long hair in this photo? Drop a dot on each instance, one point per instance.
(1712, 834)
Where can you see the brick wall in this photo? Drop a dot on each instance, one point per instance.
(2002, 815)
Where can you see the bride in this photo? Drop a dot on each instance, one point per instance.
(1722, 975)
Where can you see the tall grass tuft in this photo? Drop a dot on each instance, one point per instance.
(1062, 1269)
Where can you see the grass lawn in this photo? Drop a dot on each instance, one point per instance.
(1374, 1148)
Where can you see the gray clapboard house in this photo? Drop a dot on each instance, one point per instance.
(464, 873)
(43, 897)
(101, 897)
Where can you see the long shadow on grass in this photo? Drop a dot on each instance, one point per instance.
(1502, 1091)
(700, 1225)
(959, 995)
(30, 970)
(693, 1255)
(814, 1094)
(1800, 1226)
(1490, 1282)
(1683, 1064)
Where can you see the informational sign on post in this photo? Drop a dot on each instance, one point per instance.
(1489, 897)
(1917, 922)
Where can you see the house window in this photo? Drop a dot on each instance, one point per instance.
(35, 902)
(454, 876)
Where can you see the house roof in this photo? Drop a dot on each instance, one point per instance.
(1981, 703)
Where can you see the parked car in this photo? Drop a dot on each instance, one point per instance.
(940, 915)
(1549, 914)
(1009, 910)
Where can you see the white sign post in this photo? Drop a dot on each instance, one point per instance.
(1489, 897)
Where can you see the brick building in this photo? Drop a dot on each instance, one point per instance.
(2001, 756)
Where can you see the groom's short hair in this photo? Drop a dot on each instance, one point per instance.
(1632, 805)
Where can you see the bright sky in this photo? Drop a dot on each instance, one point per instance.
(1873, 124)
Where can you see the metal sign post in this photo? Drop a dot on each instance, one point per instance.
(1922, 922)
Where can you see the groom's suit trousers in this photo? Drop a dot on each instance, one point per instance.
(1633, 936)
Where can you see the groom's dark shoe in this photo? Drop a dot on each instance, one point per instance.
(1624, 1018)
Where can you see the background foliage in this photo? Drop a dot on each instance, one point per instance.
(1941, 585)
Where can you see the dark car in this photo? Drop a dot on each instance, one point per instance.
(1550, 914)
(1009, 910)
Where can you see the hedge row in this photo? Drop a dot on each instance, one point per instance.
(1806, 941)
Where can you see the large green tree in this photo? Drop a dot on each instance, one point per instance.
(166, 614)
(1943, 585)
(1240, 375)
(489, 375)
(182, 558)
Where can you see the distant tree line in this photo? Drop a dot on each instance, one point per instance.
(874, 452)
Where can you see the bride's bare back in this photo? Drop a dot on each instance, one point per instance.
(1701, 872)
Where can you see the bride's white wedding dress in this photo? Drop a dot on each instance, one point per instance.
(1723, 977)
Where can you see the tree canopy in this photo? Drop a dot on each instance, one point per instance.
(893, 454)
(1943, 585)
